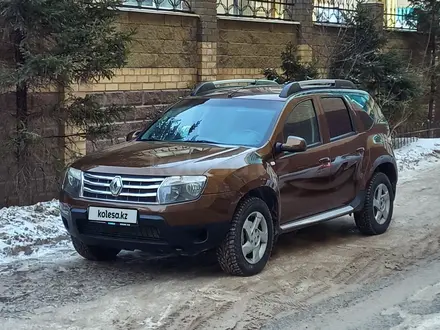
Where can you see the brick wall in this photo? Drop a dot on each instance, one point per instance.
(146, 105)
(162, 66)
(161, 41)
(245, 47)
(325, 42)
(39, 180)
(411, 44)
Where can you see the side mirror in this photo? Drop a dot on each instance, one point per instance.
(293, 144)
(132, 135)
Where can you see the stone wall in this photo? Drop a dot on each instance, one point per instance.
(245, 48)
(40, 178)
(326, 38)
(161, 41)
(146, 106)
(162, 65)
(410, 44)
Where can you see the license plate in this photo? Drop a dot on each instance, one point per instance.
(106, 214)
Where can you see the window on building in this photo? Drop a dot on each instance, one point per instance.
(302, 122)
(337, 115)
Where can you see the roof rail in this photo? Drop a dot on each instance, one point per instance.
(212, 85)
(298, 86)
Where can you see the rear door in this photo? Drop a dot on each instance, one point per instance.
(346, 147)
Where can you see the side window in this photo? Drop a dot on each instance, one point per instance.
(338, 118)
(359, 100)
(363, 105)
(302, 122)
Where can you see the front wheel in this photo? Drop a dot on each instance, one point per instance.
(247, 246)
(375, 217)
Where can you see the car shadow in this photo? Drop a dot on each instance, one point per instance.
(74, 279)
(338, 231)
(205, 265)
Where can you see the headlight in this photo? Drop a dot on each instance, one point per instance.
(177, 189)
(72, 182)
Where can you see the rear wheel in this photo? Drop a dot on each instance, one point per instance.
(375, 217)
(247, 247)
(95, 253)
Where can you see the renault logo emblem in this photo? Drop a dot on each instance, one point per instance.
(116, 186)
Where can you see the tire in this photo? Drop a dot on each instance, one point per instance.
(367, 220)
(94, 253)
(231, 255)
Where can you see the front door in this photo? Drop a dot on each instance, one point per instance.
(303, 176)
(346, 149)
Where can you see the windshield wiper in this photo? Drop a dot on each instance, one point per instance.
(203, 141)
(152, 140)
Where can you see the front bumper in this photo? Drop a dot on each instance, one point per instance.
(187, 228)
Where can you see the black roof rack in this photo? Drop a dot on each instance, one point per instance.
(298, 86)
(207, 86)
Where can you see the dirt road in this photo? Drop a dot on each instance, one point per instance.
(406, 300)
(316, 265)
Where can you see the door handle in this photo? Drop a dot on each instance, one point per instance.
(325, 162)
(360, 150)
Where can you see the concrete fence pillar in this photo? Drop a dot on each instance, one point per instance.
(376, 9)
(303, 11)
(207, 38)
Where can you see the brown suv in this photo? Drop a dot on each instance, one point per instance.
(231, 167)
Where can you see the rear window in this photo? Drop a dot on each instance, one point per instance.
(235, 121)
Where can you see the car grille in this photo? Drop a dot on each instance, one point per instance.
(128, 232)
(135, 189)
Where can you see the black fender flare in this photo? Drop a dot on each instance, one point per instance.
(385, 159)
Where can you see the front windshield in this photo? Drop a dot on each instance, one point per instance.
(221, 121)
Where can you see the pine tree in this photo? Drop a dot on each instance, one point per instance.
(425, 17)
(361, 57)
(54, 44)
(292, 68)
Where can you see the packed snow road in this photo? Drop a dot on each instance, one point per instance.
(309, 271)
(406, 300)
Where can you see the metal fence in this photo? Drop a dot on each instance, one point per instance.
(400, 19)
(334, 11)
(171, 5)
(407, 134)
(342, 11)
(276, 9)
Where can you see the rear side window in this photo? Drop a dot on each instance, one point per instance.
(302, 122)
(370, 107)
(337, 115)
(361, 103)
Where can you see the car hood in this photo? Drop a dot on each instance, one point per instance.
(159, 158)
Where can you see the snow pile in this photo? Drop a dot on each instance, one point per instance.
(417, 155)
(31, 230)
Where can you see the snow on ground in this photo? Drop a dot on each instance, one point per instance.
(417, 156)
(36, 231)
(31, 231)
